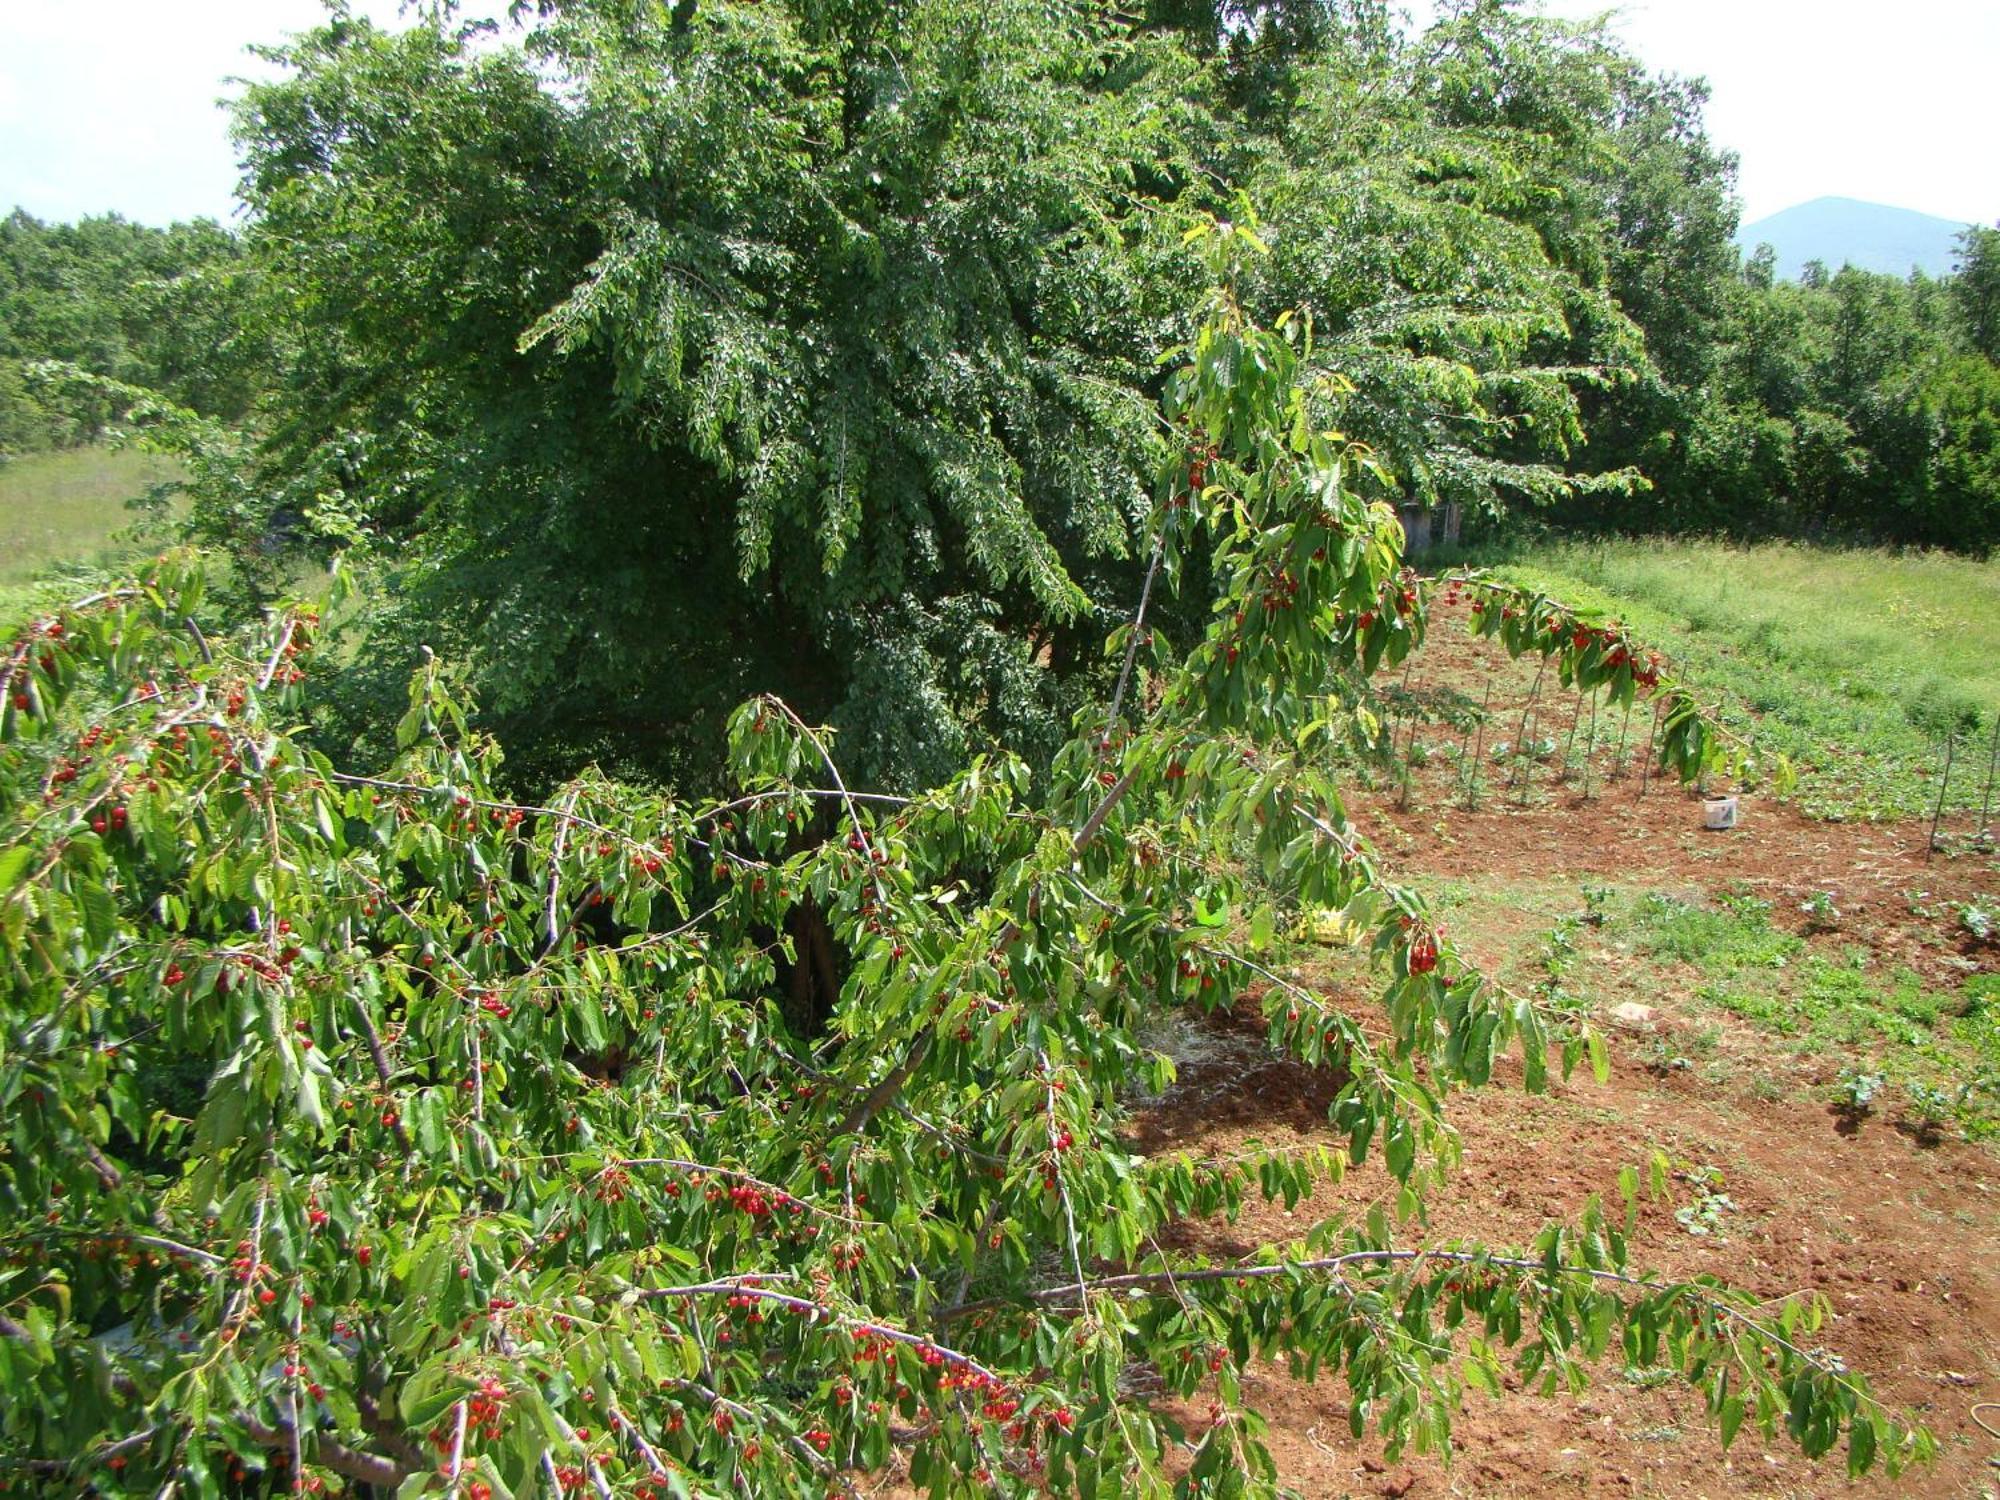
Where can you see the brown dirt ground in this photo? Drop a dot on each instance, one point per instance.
(1903, 1240)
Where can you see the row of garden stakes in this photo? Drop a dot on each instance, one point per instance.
(1944, 786)
(1522, 776)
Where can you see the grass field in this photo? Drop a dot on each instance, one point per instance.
(1853, 663)
(65, 510)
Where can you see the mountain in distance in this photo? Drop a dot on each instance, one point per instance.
(1846, 231)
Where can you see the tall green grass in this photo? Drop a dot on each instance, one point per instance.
(65, 511)
(1854, 663)
(68, 507)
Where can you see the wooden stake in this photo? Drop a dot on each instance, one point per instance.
(1521, 731)
(1944, 782)
(1479, 749)
(1590, 749)
(1992, 759)
(1646, 770)
(1403, 768)
(1569, 745)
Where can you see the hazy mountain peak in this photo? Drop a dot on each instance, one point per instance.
(1847, 231)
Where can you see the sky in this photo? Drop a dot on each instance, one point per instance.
(1837, 98)
(112, 104)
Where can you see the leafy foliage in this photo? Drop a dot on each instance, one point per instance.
(155, 308)
(1434, 203)
(817, 317)
(381, 1129)
(785, 312)
(1851, 406)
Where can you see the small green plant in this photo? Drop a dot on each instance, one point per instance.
(1659, 1056)
(1745, 903)
(1650, 1377)
(1560, 950)
(1535, 748)
(1854, 1093)
(1932, 1112)
(1978, 918)
(1702, 1215)
(1820, 912)
(1559, 955)
(1597, 901)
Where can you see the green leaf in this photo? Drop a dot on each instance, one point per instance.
(307, 1100)
(1861, 1440)
(100, 913)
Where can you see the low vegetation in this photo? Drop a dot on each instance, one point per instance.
(1937, 1045)
(1856, 664)
(65, 511)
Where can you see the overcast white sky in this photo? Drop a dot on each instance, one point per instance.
(1894, 103)
(111, 104)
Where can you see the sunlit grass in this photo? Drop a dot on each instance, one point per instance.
(62, 508)
(67, 511)
(1854, 663)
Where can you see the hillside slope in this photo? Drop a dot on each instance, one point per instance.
(1872, 236)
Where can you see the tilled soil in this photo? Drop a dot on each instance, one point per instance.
(1904, 1241)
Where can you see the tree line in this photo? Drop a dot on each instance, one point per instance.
(649, 357)
(153, 308)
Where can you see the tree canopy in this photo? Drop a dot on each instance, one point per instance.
(155, 308)
(665, 325)
(809, 333)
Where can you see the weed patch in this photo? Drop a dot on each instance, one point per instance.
(1938, 1049)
